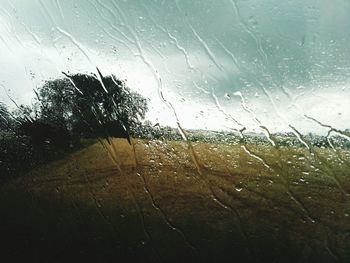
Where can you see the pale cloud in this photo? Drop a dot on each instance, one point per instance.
(191, 80)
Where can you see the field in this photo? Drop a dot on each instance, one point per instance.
(172, 201)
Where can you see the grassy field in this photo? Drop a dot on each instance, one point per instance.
(172, 201)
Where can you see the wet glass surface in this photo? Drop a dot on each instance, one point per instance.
(167, 131)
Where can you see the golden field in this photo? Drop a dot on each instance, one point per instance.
(175, 201)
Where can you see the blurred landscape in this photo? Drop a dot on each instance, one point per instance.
(84, 176)
(175, 131)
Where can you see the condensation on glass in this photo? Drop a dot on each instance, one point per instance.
(175, 130)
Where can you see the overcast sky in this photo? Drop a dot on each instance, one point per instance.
(220, 64)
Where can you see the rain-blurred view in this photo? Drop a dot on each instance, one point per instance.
(175, 131)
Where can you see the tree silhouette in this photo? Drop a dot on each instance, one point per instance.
(85, 106)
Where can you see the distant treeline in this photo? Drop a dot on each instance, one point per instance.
(148, 131)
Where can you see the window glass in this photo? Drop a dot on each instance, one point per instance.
(158, 130)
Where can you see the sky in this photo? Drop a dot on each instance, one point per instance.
(218, 65)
